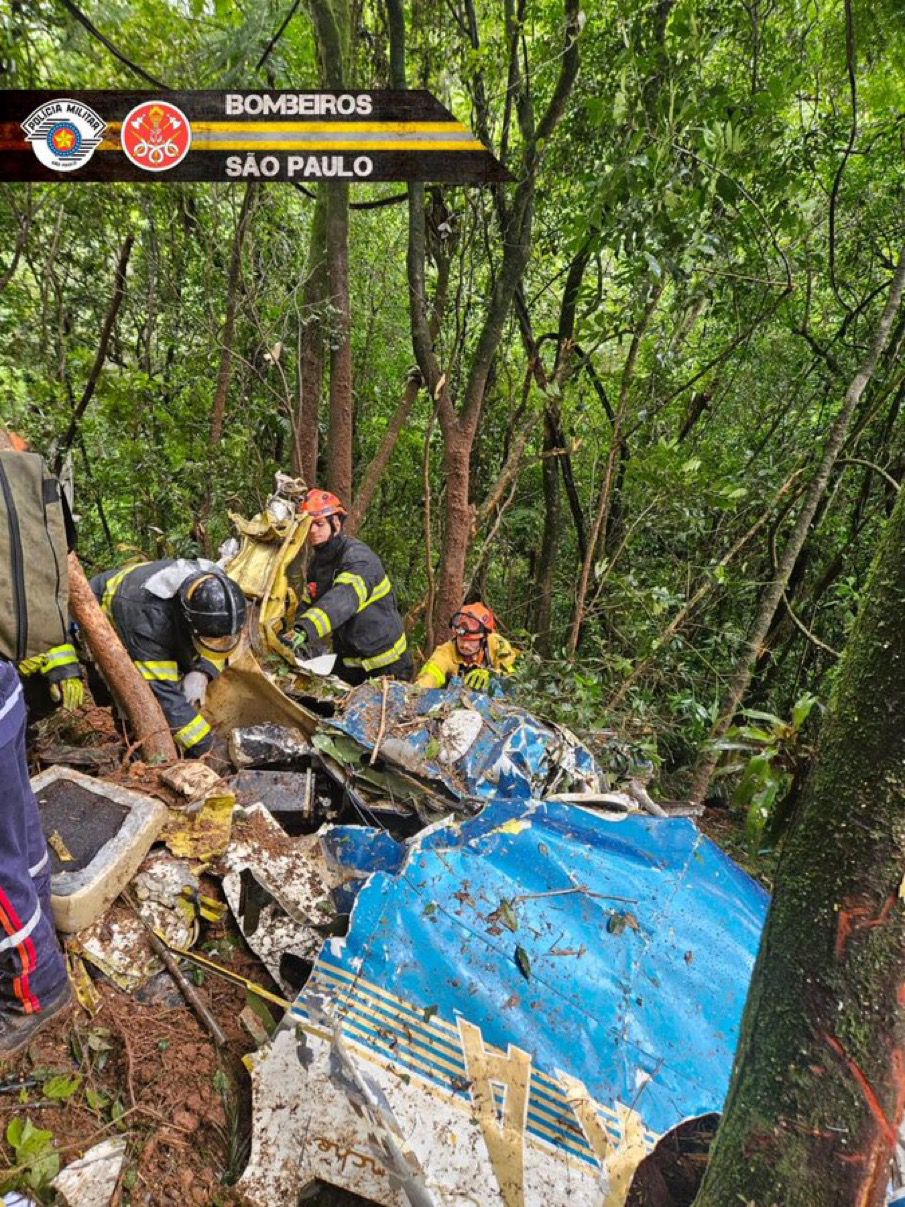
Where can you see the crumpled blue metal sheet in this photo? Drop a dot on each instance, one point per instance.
(617, 952)
(362, 849)
(513, 757)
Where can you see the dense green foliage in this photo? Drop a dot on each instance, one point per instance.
(727, 177)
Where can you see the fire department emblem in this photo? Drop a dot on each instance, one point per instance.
(64, 134)
(156, 136)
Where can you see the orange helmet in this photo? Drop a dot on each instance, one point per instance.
(321, 503)
(12, 441)
(472, 620)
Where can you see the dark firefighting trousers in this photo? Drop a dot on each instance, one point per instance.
(32, 967)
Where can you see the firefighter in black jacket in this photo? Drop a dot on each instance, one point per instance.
(178, 619)
(352, 599)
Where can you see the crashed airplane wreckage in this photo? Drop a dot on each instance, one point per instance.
(531, 992)
(508, 973)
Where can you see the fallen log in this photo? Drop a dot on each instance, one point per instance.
(146, 720)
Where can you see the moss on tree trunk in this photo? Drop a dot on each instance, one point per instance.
(819, 1084)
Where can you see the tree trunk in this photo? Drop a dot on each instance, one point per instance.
(146, 720)
(457, 443)
(550, 539)
(381, 459)
(224, 372)
(613, 460)
(333, 24)
(339, 442)
(311, 346)
(818, 1092)
(459, 424)
(772, 596)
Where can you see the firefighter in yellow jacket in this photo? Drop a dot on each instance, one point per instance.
(476, 651)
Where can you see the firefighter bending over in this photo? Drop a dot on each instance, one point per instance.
(178, 619)
(475, 653)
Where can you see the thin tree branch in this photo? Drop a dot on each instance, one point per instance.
(852, 138)
(878, 469)
(293, 8)
(105, 41)
(119, 289)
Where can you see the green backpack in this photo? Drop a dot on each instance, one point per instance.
(35, 528)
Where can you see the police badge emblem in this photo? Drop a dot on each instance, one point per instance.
(64, 133)
(156, 136)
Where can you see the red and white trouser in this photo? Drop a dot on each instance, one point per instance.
(31, 963)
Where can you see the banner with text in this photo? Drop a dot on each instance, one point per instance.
(284, 136)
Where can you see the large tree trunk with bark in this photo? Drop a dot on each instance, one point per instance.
(773, 594)
(146, 720)
(459, 420)
(311, 346)
(457, 446)
(818, 1093)
(342, 419)
(333, 24)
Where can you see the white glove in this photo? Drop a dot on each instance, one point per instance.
(194, 688)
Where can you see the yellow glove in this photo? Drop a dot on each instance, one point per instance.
(478, 679)
(69, 693)
(31, 666)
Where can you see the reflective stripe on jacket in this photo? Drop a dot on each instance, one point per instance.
(355, 605)
(446, 662)
(159, 642)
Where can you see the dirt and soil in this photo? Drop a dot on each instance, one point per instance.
(149, 1073)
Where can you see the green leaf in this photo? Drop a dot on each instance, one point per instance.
(802, 710)
(522, 962)
(259, 1009)
(432, 749)
(756, 715)
(61, 1088)
(507, 915)
(44, 1168)
(33, 1148)
(15, 1130)
(343, 749)
(97, 1099)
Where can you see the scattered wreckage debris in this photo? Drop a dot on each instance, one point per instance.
(278, 889)
(267, 746)
(547, 990)
(98, 833)
(91, 1180)
(463, 926)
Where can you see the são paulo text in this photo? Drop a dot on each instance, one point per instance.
(271, 166)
